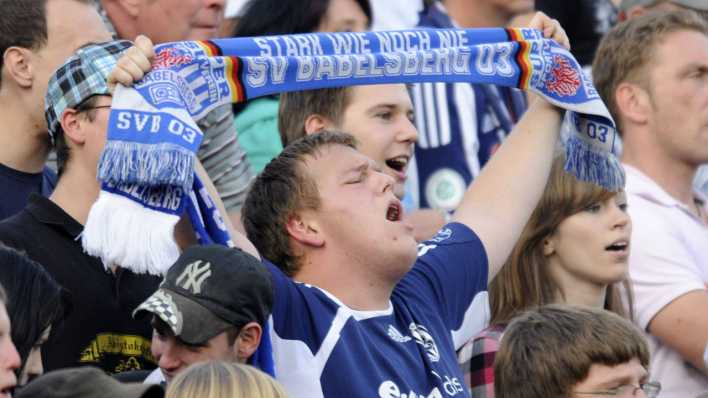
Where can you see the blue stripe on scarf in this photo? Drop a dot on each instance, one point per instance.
(190, 77)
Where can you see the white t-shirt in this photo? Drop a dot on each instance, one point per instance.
(669, 258)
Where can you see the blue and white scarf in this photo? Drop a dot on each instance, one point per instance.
(147, 166)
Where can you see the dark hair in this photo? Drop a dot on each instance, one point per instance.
(282, 189)
(547, 351)
(23, 23)
(60, 145)
(282, 17)
(34, 302)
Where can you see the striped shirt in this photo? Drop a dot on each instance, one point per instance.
(460, 126)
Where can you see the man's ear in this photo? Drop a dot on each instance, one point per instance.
(71, 123)
(304, 230)
(131, 7)
(17, 64)
(316, 123)
(633, 102)
(247, 341)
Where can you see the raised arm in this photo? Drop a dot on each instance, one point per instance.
(501, 199)
(131, 67)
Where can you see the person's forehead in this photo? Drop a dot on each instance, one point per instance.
(332, 161)
(624, 372)
(370, 96)
(681, 47)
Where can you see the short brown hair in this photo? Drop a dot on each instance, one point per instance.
(281, 189)
(545, 352)
(629, 47)
(296, 106)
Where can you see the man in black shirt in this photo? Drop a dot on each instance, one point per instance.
(100, 330)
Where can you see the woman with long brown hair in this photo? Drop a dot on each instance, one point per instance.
(574, 249)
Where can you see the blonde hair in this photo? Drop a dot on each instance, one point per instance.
(219, 379)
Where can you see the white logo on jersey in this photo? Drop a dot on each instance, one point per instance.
(442, 235)
(397, 336)
(193, 276)
(389, 389)
(423, 337)
(444, 189)
(423, 249)
(452, 385)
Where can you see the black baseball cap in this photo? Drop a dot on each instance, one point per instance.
(86, 382)
(210, 289)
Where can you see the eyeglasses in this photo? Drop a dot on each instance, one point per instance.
(88, 108)
(650, 389)
(84, 105)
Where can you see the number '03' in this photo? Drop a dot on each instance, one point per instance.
(597, 131)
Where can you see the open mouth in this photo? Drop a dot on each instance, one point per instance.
(618, 246)
(399, 163)
(393, 213)
(7, 392)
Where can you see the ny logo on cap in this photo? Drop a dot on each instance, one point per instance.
(193, 276)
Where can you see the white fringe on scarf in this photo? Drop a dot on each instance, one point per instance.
(118, 229)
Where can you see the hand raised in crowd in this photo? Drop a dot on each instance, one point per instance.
(133, 65)
(551, 29)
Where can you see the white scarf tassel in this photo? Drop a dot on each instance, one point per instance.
(118, 229)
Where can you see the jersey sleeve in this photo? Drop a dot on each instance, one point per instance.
(451, 276)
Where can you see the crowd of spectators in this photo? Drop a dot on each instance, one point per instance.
(391, 240)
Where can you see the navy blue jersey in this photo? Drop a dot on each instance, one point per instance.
(322, 348)
(460, 126)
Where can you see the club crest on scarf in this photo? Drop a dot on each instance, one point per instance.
(564, 79)
(170, 57)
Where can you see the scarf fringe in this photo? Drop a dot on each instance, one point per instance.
(147, 164)
(122, 232)
(591, 165)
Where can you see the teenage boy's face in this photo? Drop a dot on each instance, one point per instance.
(173, 355)
(607, 378)
(381, 119)
(95, 134)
